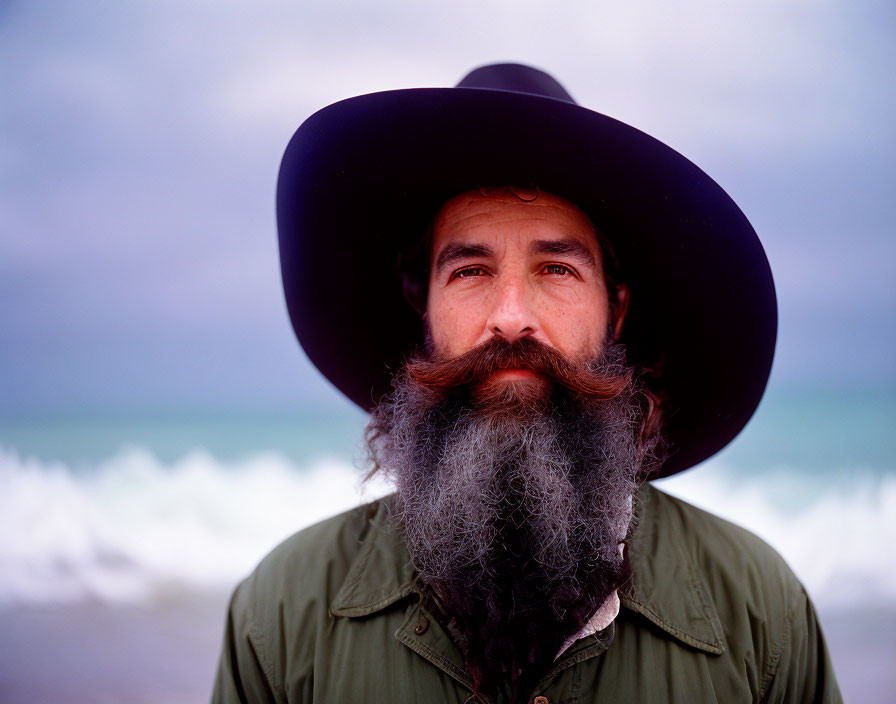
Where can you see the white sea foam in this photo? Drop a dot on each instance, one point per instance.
(134, 528)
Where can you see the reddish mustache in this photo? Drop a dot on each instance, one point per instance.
(442, 375)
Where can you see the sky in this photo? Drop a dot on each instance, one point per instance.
(140, 143)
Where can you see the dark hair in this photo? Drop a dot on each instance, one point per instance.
(412, 267)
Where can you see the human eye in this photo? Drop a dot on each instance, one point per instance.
(469, 272)
(554, 269)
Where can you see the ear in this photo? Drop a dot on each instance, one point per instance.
(618, 310)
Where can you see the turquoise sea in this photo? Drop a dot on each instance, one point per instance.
(806, 430)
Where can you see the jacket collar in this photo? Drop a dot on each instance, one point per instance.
(668, 588)
(381, 574)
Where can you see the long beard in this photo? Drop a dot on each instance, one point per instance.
(514, 497)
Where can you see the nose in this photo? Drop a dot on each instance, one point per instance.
(512, 316)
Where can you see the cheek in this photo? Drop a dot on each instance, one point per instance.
(452, 326)
(578, 326)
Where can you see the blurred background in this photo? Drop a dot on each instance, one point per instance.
(160, 429)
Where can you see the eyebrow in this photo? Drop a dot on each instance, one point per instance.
(454, 252)
(568, 247)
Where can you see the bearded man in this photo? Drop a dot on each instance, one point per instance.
(610, 321)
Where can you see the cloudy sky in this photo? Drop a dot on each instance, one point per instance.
(140, 146)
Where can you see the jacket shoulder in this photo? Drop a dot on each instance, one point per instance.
(729, 555)
(760, 605)
(279, 610)
(309, 566)
(288, 595)
(770, 626)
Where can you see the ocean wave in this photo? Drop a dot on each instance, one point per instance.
(134, 528)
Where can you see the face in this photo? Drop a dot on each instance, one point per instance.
(502, 266)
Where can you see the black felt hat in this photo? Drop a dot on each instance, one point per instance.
(361, 179)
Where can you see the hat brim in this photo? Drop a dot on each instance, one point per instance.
(361, 178)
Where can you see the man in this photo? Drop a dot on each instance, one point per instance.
(587, 310)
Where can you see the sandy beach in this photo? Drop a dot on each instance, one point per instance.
(166, 654)
(92, 653)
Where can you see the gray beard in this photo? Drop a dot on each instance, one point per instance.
(514, 519)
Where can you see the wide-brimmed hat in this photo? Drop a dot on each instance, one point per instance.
(362, 178)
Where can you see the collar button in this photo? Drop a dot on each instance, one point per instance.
(422, 626)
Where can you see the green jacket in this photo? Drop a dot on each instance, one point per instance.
(712, 614)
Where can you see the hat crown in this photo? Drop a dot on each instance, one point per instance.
(517, 78)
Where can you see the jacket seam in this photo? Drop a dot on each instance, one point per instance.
(436, 658)
(771, 668)
(258, 643)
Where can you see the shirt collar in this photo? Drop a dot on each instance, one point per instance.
(668, 588)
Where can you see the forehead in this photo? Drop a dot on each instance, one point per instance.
(499, 213)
